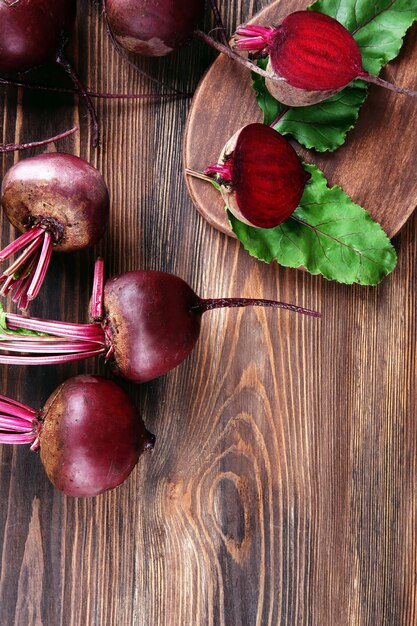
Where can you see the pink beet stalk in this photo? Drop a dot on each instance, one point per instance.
(14, 147)
(96, 311)
(18, 423)
(253, 38)
(220, 171)
(161, 312)
(37, 244)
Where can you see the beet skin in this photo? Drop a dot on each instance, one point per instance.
(91, 437)
(154, 321)
(32, 32)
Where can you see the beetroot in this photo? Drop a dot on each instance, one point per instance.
(32, 32)
(147, 322)
(59, 202)
(153, 27)
(311, 54)
(89, 433)
(261, 177)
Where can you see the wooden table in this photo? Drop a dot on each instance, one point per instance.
(282, 488)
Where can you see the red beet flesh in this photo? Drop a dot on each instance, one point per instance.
(91, 437)
(59, 190)
(32, 32)
(313, 54)
(153, 27)
(262, 175)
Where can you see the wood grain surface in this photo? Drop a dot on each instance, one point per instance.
(282, 487)
(375, 166)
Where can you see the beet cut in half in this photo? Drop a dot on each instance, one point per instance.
(89, 433)
(312, 53)
(260, 175)
(146, 323)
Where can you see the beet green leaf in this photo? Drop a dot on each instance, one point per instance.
(379, 28)
(327, 234)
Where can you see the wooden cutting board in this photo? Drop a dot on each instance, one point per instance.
(376, 166)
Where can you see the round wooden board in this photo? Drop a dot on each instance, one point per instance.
(376, 166)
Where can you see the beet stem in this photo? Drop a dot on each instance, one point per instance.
(63, 61)
(234, 56)
(280, 116)
(94, 94)
(125, 56)
(41, 267)
(197, 174)
(96, 309)
(13, 147)
(21, 241)
(18, 422)
(219, 22)
(83, 332)
(218, 303)
(376, 80)
(26, 413)
(23, 258)
(27, 273)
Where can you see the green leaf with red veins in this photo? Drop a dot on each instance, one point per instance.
(327, 234)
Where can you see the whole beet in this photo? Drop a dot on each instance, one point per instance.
(32, 32)
(144, 322)
(153, 27)
(60, 192)
(91, 436)
(59, 202)
(154, 322)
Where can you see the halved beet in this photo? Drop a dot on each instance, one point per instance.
(261, 176)
(32, 32)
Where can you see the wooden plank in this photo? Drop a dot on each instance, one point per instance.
(282, 485)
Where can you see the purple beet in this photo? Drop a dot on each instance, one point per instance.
(32, 32)
(311, 57)
(261, 176)
(153, 27)
(147, 323)
(60, 202)
(89, 434)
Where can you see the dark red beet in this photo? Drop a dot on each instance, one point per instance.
(261, 176)
(153, 27)
(154, 322)
(89, 433)
(32, 32)
(313, 54)
(60, 202)
(146, 323)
